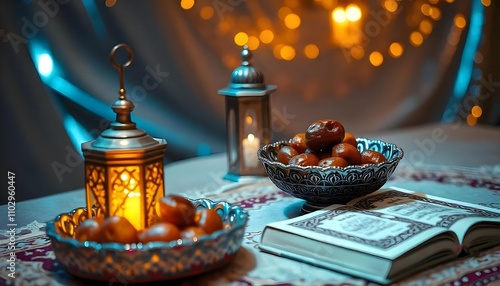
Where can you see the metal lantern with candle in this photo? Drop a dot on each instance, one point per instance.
(247, 119)
(124, 165)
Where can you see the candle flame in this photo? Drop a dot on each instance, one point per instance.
(249, 120)
(134, 194)
(250, 137)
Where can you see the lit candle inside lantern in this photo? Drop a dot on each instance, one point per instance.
(132, 209)
(132, 202)
(251, 145)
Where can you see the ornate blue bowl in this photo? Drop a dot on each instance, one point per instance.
(323, 186)
(154, 261)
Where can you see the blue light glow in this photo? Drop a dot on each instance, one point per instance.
(80, 97)
(470, 47)
(467, 61)
(76, 132)
(45, 65)
(203, 149)
(95, 18)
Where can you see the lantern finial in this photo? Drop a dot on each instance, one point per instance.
(246, 55)
(122, 107)
(247, 76)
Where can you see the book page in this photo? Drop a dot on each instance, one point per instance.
(449, 214)
(364, 230)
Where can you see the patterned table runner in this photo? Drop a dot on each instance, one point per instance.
(36, 264)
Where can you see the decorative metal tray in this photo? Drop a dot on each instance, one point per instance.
(154, 261)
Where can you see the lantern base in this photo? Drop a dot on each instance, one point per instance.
(242, 178)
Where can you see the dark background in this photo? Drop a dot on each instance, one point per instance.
(181, 60)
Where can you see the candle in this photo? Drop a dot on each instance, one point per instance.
(132, 209)
(251, 145)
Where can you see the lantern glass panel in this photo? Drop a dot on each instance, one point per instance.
(126, 197)
(95, 178)
(153, 174)
(232, 138)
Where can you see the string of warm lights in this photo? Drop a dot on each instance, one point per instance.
(350, 21)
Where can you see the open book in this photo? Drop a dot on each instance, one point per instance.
(385, 236)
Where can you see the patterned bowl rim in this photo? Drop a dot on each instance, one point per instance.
(262, 152)
(240, 215)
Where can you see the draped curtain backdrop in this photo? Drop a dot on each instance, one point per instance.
(185, 53)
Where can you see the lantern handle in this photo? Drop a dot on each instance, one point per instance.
(121, 67)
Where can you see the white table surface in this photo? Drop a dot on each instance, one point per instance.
(455, 145)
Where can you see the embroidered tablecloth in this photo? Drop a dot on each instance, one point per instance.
(35, 262)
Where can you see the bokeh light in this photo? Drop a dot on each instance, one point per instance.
(426, 9)
(435, 13)
(292, 21)
(395, 50)
(416, 39)
(287, 53)
(357, 52)
(477, 111)
(277, 51)
(425, 26)
(460, 21)
(110, 3)
(266, 36)
(471, 120)
(376, 58)
(311, 51)
(338, 15)
(207, 12)
(187, 4)
(253, 43)
(390, 5)
(486, 3)
(353, 13)
(241, 39)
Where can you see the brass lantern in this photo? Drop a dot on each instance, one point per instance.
(124, 165)
(247, 119)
